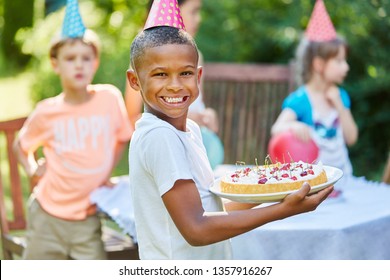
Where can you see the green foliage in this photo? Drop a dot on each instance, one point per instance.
(17, 14)
(368, 34)
(116, 22)
(247, 31)
(268, 31)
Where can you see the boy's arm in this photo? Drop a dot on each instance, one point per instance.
(202, 228)
(33, 169)
(119, 149)
(232, 205)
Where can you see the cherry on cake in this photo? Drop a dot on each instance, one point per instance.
(273, 178)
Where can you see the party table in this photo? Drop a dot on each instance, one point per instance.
(353, 226)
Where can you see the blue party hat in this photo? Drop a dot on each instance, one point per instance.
(73, 26)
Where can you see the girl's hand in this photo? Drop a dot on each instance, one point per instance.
(333, 97)
(207, 118)
(301, 131)
(210, 119)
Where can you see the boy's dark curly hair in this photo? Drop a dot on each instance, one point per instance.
(155, 37)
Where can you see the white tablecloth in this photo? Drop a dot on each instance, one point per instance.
(354, 226)
(116, 202)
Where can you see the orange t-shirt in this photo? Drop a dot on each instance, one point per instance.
(78, 143)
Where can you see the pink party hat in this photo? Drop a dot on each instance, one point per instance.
(165, 13)
(320, 27)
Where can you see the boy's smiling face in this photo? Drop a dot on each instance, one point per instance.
(168, 78)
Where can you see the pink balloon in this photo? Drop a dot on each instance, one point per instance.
(285, 147)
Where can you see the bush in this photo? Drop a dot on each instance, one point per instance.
(116, 24)
(268, 31)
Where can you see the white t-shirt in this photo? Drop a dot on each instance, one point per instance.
(159, 156)
(328, 135)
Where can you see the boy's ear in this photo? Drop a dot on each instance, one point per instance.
(200, 73)
(133, 79)
(54, 64)
(97, 63)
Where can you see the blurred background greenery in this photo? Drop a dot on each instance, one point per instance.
(247, 31)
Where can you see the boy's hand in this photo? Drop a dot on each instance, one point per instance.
(301, 201)
(110, 182)
(37, 174)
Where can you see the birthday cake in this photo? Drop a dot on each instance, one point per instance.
(273, 178)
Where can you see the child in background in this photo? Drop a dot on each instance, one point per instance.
(176, 216)
(204, 116)
(319, 109)
(83, 132)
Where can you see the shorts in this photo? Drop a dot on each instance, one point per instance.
(51, 238)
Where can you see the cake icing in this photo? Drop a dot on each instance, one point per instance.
(274, 173)
(273, 178)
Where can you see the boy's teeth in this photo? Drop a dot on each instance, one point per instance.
(173, 99)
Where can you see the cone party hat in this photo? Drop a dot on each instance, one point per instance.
(164, 13)
(73, 26)
(320, 27)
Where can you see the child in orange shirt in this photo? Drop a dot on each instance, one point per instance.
(83, 132)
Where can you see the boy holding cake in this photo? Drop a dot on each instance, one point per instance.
(176, 215)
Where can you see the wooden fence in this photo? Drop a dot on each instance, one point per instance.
(248, 99)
